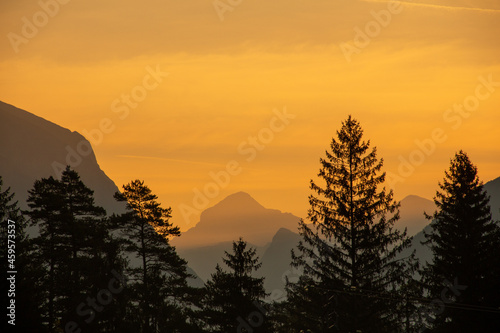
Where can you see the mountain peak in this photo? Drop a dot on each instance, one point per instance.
(412, 198)
(237, 203)
(233, 206)
(37, 148)
(412, 213)
(238, 195)
(283, 235)
(236, 215)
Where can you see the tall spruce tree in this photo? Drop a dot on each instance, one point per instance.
(75, 251)
(465, 242)
(348, 253)
(234, 300)
(159, 277)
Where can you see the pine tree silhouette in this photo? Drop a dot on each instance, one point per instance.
(231, 297)
(466, 246)
(348, 253)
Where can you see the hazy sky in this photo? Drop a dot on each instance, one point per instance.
(426, 71)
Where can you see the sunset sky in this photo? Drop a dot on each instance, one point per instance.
(405, 70)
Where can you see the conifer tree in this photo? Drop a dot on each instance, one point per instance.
(74, 248)
(27, 294)
(465, 242)
(234, 300)
(348, 253)
(159, 278)
(45, 201)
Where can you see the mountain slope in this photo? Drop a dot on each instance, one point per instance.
(272, 233)
(493, 189)
(32, 147)
(236, 215)
(275, 258)
(204, 259)
(239, 215)
(412, 214)
(276, 261)
(265, 229)
(423, 253)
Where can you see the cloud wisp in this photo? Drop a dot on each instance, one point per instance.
(436, 6)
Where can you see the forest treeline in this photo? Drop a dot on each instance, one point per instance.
(86, 271)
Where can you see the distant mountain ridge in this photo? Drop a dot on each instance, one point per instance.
(30, 145)
(276, 261)
(275, 254)
(30, 148)
(272, 233)
(237, 215)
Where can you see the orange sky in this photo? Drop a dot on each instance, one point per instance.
(417, 64)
